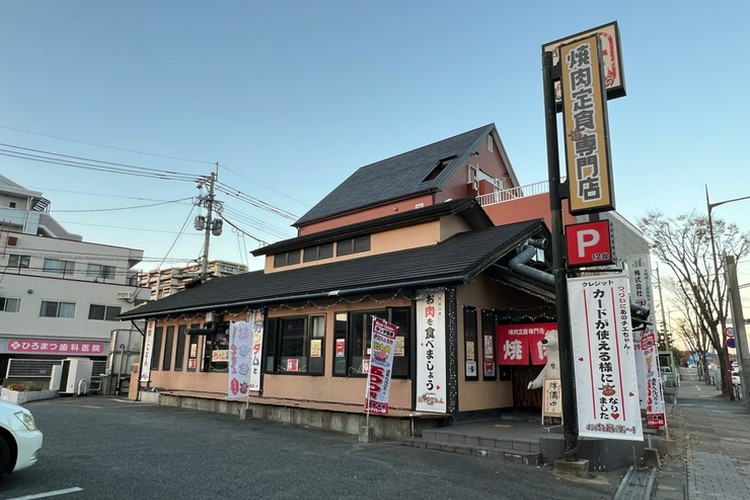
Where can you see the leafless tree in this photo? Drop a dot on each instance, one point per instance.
(683, 244)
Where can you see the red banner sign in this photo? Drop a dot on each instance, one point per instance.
(516, 344)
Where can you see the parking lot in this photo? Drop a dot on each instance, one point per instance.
(100, 447)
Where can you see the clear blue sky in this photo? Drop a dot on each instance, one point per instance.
(290, 97)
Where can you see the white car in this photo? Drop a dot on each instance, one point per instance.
(735, 377)
(20, 440)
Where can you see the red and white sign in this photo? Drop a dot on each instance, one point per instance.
(381, 366)
(589, 243)
(604, 358)
(254, 379)
(516, 344)
(46, 346)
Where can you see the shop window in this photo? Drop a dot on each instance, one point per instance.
(489, 363)
(104, 313)
(193, 354)
(471, 350)
(156, 350)
(216, 350)
(179, 348)
(54, 309)
(296, 344)
(166, 363)
(352, 336)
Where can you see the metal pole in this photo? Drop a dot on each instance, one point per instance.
(738, 320)
(570, 423)
(726, 376)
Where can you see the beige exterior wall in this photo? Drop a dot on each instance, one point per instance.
(481, 394)
(300, 388)
(419, 235)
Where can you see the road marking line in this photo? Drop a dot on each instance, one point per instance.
(49, 494)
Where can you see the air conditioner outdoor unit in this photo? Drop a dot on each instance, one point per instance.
(124, 295)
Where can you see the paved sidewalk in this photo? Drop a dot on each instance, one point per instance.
(713, 435)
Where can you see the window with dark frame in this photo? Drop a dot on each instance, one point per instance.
(193, 351)
(296, 345)
(179, 348)
(156, 351)
(488, 345)
(286, 258)
(353, 334)
(216, 350)
(104, 313)
(166, 363)
(319, 252)
(471, 350)
(19, 261)
(353, 245)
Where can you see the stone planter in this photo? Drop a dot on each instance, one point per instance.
(21, 397)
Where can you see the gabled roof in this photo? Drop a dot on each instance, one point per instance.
(402, 176)
(456, 260)
(468, 208)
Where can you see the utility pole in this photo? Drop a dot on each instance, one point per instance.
(208, 224)
(738, 320)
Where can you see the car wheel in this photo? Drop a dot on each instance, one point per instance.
(4, 456)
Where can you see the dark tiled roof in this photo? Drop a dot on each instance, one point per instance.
(456, 260)
(397, 177)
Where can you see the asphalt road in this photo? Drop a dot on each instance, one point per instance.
(97, 447)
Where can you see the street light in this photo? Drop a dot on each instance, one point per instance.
(725, 350)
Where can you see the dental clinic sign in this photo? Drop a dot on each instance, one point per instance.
(585, 123)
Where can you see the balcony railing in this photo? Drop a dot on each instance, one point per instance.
(513, 193)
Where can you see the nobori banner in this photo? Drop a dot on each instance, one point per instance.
(382, 346)
(586, 131)
(604, 358)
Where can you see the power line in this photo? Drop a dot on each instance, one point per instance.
(80, 162)
(157, 155)
(124, 208)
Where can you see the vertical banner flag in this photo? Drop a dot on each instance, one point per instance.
(256, 318)
(585, 123)
(647, 351)
(604, 358)
(240, 349)
(432, 391)
(382, 345)
(148, 349)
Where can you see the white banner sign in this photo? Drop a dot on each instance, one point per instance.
(148, 349)
(650, 389)
(432, 392)
(606, 385)
(240, 349)
(254, 379)
(381, 366)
